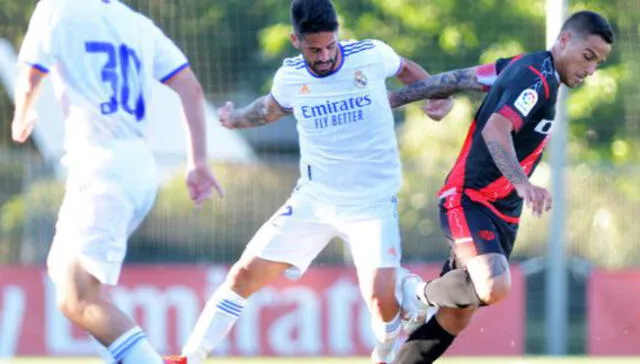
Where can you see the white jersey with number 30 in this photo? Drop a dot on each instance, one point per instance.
(348, 146)
(104, 57)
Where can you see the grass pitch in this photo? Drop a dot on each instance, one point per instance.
(455, 360)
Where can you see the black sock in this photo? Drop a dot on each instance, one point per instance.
(454, 289)
(425, 345)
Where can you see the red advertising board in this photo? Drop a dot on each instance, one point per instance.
(320, 314)
(613, 312)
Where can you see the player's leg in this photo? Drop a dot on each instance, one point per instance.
(413, 313)
(432, 339)
(481, 246)
(82, 300)
(224, 307)
(456, 287)
(376, 250)
(287, 243)
(87, 253)
(378, 290)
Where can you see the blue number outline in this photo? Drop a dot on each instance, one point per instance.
(109, 73)
(119, 83)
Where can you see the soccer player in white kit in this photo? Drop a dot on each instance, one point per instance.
(350, 174)
(104, 57)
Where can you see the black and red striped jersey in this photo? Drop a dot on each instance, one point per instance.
(525, 91)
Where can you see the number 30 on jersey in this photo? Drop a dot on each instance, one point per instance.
(116, 72)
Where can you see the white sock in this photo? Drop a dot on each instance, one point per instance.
(216, 320)
(134, 348)
(386, 334)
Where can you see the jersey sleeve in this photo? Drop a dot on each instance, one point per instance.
(39, 46)
(502, 63)
(391, 60)
(487, 74)
(168, 59)
(524, 93)
(282, 90)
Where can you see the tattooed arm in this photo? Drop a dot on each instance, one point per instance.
(497, 135)
(411, 72)
(440, 85)
(263, 110)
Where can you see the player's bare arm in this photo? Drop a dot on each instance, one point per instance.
(264, 110)
(497, 136)
(200, 178)
(411, 72)
(26, 94)
(441, 85)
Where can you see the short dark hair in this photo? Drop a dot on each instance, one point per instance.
(586, 23)
(313, 16)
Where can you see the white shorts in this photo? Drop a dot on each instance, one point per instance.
(303, 226)
(107, 196)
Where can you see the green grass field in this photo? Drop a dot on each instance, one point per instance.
(458, 360)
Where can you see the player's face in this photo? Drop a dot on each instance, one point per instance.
(320, 50)
(580, 58)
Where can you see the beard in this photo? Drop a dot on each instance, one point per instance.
(323, 68)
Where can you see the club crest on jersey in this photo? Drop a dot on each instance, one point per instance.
(526, 101)
(359, 79)
(304, 90)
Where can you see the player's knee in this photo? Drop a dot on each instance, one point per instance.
(493, 290)
(241, 279)
(248, 276)
(73, 303)
(491, 277)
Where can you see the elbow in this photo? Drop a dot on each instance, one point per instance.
(487, 132)
(491, 133)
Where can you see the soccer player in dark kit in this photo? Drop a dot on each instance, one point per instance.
(482, 199)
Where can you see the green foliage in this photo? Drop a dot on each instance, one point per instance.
(28, 220)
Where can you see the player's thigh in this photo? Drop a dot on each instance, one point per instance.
(375, 246)
(293, 235)
(92, 229)
(374, 241)
(471, 231)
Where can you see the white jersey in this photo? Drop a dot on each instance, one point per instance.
(104, 57)
(348, 146)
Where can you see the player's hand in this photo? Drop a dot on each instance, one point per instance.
(437, 109)
(224, 115)
(21, 130)
(537, 198)
(200, 181)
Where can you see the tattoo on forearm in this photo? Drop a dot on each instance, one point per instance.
(257, 113)
(497, 265)
(441, 85)
(506, 163)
